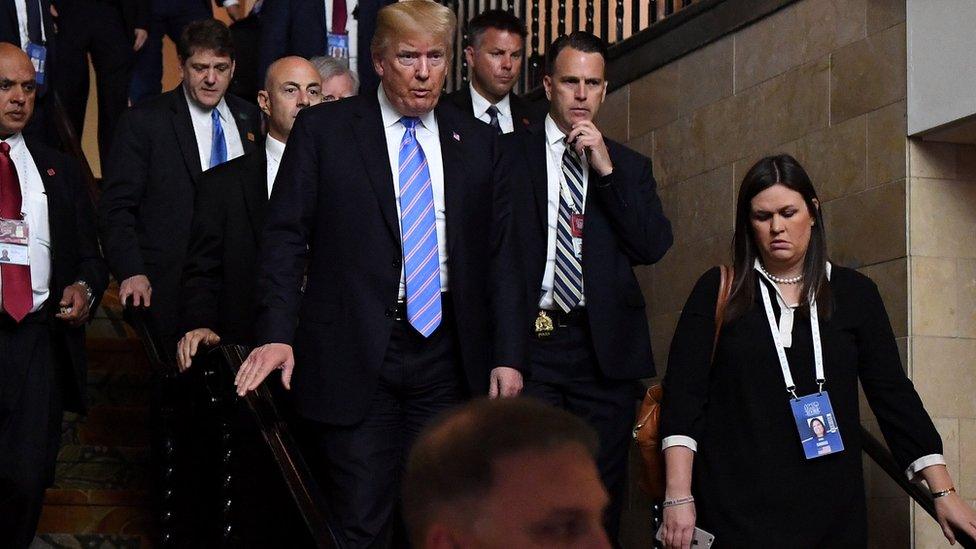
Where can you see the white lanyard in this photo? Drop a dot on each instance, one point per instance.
(784, 363)
(23, 24)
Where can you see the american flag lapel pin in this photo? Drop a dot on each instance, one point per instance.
(250, 136)
(51, 172)
(456, 136)
(525, 121)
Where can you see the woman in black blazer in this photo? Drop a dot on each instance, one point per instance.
(746, 458)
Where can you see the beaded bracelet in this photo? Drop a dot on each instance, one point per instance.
(678, 501)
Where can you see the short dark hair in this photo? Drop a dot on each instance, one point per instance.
(583, 41)
(205, 34)
(494, 19)
(452, 463)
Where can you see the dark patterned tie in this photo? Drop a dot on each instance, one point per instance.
(493, 113)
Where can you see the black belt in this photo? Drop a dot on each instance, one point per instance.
(398, 311)
(561, 319)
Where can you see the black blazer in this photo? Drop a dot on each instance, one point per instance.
(74, 256)
(625, 226)
(291, 27)
(219, 276)
(334, 193)
(523, 114)
(146, 205)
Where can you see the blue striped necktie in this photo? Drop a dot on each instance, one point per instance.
(418, 229)
(218, 146)
(567, 283)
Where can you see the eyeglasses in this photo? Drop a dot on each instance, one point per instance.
(409, 59)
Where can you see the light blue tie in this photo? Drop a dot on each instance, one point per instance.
(418, 227)
(218, 146)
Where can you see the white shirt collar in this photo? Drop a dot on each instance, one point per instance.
(480, 105)
(391, 116)
(273, 148)
(198, 111)
(15, 141)
(554, 136)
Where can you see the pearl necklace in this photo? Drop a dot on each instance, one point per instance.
(781, 279)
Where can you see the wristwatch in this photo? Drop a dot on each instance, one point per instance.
(89, 294)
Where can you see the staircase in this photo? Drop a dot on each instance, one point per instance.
(101, 497)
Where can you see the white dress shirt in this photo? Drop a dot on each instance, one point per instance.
(273, 150)
(203, 131)
(480, 107)
(555, 147)
(34, 208)
(430, 142)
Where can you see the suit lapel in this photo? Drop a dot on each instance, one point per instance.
(538, 158)
(256, 190)
(520, 114)
(183, 128)
(320, 8)
(368, 128)
(452, 155)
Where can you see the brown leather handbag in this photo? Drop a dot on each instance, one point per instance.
(647, 430)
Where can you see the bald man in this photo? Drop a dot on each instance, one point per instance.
(49, 288)
(219, 276)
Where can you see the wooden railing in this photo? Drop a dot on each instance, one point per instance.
(545, 20)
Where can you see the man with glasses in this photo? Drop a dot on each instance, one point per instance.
(412, 302)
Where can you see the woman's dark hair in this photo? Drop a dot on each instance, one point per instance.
(784, 170)
(820, 421)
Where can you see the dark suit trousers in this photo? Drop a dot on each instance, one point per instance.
(97, 28)
(359, 467)
(30, 425)
(168, 19)
(565, 374)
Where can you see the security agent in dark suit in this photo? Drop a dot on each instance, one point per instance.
(169, 18)
(160, 149)
(219, 278)
(412, 302)
(588, 214)
(43, 305)
(110, 31)
(495, 53)
(31, 22)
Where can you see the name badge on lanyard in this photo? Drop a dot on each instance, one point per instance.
(814, 415)
(14, 235)
(38, 56)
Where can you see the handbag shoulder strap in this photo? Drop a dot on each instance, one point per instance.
(724, 289)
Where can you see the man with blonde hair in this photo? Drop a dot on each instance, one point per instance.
(412, 304)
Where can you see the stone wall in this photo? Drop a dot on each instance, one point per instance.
(823, 80)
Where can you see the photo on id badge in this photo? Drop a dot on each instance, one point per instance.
(14, 242)
(817, 425)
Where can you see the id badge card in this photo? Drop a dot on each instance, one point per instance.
(13, 242)
(38, 56)
(576, 225)
(817, 425)
(338, 45)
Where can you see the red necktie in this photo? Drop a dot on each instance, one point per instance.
(17, 296)
(339, 16)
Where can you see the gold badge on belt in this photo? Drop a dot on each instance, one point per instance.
(543, 325)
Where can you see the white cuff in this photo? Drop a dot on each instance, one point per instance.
(679, 440)
(922, 463)
(229, 3)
